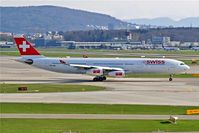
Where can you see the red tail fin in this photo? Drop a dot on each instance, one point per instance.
(25, 47)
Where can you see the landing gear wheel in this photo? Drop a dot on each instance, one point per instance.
(99, 78)
(171, 77)
(95, 79)
(104, 78)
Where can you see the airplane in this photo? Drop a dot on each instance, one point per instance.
(98, 67)
(195, 48)
(170, 48)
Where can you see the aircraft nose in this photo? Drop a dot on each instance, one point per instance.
(187, 67)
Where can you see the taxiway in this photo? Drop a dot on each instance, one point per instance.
(184, 91)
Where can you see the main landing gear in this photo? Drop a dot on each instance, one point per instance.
(170, 77)
(99, 78)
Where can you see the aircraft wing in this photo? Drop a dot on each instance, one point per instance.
(99, 67)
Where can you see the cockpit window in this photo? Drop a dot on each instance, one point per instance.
(182, 64)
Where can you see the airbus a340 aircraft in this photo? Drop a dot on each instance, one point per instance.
(98, 67)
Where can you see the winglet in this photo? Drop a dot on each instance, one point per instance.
(25, 47)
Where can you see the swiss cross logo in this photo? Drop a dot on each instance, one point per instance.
(24, 46)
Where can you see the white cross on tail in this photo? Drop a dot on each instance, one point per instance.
(24, 46)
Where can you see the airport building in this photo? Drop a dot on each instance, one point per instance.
(132, 41)
(99, 45)
(159, 40)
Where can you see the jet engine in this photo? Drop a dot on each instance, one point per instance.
(29, 61)
(95, 71)
(117, 74)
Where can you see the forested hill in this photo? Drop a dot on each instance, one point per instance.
(51, 18)
(176, 34)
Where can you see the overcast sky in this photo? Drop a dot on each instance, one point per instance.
(123, 9)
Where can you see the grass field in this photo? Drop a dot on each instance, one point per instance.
(91, 109)
(189, 62)
(62, 53)
(34, 88)
(160, 76)
(185, 52)
(93, 126)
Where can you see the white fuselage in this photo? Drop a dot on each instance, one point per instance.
(129, 65)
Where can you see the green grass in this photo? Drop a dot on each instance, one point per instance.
(34, 88)
(61, 54)
(65, 52)
(159, 76)
(55, 108)
(14, 53)
(93, 126)
(80, 54)
(52, 54)
(8, 49)
(189, 62)
(186, 52)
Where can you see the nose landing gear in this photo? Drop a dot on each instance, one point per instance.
(99, 78)
(170, 77)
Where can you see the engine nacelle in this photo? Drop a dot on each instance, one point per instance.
(95, 71)
(117, 74)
